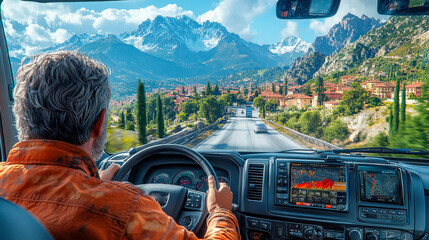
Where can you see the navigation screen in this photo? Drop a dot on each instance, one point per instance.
(319, 185)
(380, 185)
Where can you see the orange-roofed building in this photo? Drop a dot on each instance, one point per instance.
(347, 80)
(383, 90)
(415, 88)
(267, 95)
(296, 100)
(333, 95)
(331, 105)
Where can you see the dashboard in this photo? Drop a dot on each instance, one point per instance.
(309, 196)
(191, 177)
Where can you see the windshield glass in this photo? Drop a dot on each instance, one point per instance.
(207, 74)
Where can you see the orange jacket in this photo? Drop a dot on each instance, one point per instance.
(58, 182)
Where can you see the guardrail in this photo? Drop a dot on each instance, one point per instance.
(306, 138)
(183, 137)
(191, 137)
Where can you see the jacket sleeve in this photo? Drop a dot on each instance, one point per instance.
(148, 221)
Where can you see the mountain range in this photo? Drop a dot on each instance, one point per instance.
(179, 50)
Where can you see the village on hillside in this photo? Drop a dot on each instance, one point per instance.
(297, 95)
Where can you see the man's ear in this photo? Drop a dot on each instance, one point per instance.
(97, 129)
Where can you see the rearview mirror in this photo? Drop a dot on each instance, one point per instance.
(403, 7)
(304, 9)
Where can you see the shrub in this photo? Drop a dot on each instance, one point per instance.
(337, 129)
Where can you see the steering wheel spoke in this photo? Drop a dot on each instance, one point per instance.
(187, 207)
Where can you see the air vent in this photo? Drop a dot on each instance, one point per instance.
(255, 182)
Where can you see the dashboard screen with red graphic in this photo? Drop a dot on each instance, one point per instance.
(319, 185)
(380, 185)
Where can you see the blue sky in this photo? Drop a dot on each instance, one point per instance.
(34, 26)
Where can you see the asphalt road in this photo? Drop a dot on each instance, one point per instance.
(238, 135)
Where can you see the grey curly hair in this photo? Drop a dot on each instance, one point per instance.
(59, 96)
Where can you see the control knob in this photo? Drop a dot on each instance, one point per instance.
(312, 234)
(354, 234)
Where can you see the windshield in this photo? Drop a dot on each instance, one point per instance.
(208, 74)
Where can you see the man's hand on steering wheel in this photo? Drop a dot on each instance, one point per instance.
(221, 198)
(110, 172)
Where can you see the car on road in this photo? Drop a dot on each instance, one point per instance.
(260, 128)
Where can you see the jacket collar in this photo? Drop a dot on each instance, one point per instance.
(51, 152)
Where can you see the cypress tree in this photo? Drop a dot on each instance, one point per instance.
(285, 91)
(122, 120)
(160, 118)
(396, 108)
(263, 111)
(141, 112)
(403, 104)
(390, 121)
(273, 88)
(208, 89)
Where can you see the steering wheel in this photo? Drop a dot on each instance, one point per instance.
(187, 207)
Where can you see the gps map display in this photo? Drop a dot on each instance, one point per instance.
(319, 185)
(380, 185)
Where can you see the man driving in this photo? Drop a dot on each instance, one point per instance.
(61, 102)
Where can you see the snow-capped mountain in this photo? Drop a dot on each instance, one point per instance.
(290, 44)
(163, 35)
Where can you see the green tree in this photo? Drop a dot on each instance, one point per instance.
(151, 108)
(307, 90)
(141, 113)
(396, 108)
(271, 105)
(129, 122)
(168, 107)
(129, 116)
(336, 129)
(259, 102)
(189, 107)
(210, 109)
(195, 93)
(216, 90)
(403, 104)
(226, 99)
(354, 100)
(273, 88)
(121, 123)
(183, 90)
(310, 122)
(320, 90)
(390, 120)
(285, 87)
(263, 112)
(208, 91)
(160, 118)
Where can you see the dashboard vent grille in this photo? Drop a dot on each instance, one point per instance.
(255, 182)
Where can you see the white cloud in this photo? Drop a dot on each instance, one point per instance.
(356, 7)
(291, 29)
(237, 15)
(35, 26)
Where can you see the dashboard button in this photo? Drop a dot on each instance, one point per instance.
(280, 231)
(282, 195)
(265, 225)
(401, 212)
(339, 236)
(330, 235)
(392, 212)
(253, 223)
